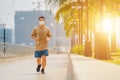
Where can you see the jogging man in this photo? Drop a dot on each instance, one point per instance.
(41, 34)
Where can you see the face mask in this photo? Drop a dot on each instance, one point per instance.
(41, 22)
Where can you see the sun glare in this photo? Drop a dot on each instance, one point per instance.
(118, 24)
(107, 25)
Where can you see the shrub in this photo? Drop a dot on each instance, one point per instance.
(118, 49)
(79, 49)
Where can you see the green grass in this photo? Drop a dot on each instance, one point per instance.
(115, 58)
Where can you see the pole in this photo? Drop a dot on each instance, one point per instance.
(4, 40)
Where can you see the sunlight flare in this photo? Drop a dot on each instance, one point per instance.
(107, 25)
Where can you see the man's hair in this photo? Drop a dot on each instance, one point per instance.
(41, 17)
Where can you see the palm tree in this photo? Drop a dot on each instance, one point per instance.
(68, 14)
(53, 3)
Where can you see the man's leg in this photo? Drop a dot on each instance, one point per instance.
(43, 63)
(38, 64)
(38, 61)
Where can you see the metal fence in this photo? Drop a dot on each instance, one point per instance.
(12, 50)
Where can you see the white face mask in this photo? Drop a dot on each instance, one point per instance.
(41, 22)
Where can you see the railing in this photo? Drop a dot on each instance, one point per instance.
(12, 50)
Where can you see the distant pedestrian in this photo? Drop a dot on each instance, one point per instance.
(41, 34)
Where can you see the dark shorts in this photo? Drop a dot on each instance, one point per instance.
(40, 53)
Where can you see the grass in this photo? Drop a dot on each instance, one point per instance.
(115, 58)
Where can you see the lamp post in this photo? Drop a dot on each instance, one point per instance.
(4, 38)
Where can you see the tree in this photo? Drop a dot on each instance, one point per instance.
(68, 14)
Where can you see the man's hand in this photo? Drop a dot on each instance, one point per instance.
(35, 38)
(47, 39)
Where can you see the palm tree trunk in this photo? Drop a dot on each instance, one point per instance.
(73, 40)
(102, 49)
(113, 37)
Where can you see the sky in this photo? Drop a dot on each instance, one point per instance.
(8, 8)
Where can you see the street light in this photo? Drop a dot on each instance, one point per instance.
(4, 38)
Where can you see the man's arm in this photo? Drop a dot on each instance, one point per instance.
(33, 34)
(49, 35)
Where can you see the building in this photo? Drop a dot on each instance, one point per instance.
(25, 21)
(1, 32)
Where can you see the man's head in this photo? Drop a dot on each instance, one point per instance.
(41, 20)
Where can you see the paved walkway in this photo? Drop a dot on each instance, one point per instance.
(25, 69)
(58, 68)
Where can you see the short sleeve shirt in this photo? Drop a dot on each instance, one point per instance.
(41, 34)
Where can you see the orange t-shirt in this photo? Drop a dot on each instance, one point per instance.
(41, 34)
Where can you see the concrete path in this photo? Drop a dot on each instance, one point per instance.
(58, 68)
(26, 69)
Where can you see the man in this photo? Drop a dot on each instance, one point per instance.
(41, 34)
